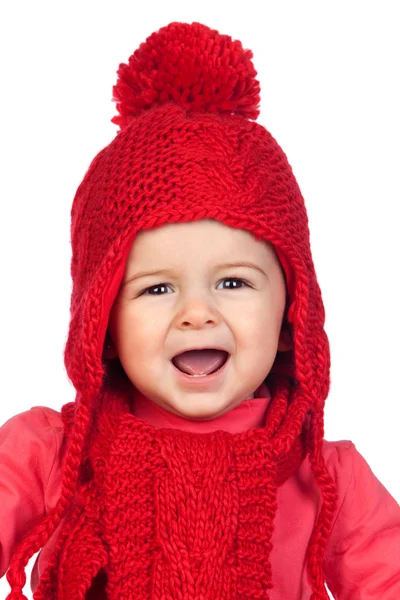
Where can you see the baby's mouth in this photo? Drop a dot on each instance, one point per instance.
(200, 363)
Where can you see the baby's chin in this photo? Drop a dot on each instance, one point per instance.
(201, 408)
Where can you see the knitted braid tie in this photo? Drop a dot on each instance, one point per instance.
(190, 78)
(40, 534)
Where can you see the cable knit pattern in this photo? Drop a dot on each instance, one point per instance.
(192, 520)
(167, 516)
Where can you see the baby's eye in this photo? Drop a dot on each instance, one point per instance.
(235, 279)
(154, 287)
(158, 286)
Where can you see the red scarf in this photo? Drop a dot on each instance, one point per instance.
(165, 513)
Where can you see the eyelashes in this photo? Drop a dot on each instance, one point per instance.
(161, 285)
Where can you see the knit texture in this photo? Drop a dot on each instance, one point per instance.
(141, 523)
(202, 531)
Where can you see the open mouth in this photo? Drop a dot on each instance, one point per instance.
(201, 363)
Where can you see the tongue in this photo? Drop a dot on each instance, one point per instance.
(200, 362)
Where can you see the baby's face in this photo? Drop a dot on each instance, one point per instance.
(157, 316)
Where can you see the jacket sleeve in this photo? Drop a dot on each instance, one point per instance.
(363, 553)
(27, 454)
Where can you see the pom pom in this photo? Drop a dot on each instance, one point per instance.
(191, 65)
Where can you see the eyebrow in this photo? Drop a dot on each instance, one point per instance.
(237, 263)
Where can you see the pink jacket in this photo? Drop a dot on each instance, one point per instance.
(363, 555)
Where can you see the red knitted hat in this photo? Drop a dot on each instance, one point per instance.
(188, 149)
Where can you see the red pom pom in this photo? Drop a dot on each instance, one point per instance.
(191, 65)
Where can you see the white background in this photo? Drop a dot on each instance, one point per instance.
(329, 74)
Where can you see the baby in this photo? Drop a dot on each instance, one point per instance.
(192, 463)
(232, 299)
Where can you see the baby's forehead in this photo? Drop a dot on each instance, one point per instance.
(205, 238)
(211, 230)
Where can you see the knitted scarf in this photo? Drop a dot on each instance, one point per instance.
(165, 513)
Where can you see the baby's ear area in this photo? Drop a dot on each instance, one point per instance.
(109, 349)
